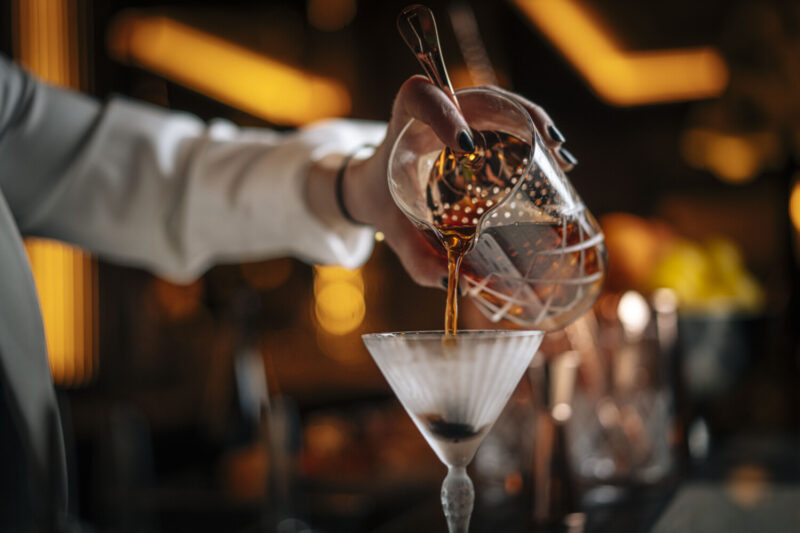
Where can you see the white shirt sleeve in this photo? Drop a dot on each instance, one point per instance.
(164, 191)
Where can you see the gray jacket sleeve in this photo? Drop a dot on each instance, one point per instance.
(162, 190)
(42, 131)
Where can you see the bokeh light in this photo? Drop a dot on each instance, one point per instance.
(339, 305)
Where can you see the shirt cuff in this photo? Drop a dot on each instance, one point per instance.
(343, 244)
(273, 215)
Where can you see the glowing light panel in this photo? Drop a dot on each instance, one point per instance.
(622, 77)
(66, 278)
(227, 72)
(794, 203)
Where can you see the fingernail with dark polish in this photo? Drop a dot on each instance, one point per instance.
(445, 280)
(465, 141)
(555, 134)
(567, 156)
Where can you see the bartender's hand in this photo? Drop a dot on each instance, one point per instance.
(366, 191)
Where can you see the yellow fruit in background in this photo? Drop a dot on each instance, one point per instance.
(634, 246)
(685, 268)
(646, 254)
(711, 277)
(744, 290)
(726, 258)
(748, 294)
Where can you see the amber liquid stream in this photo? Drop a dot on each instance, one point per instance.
(461, 188)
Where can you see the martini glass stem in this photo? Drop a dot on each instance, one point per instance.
(458, 495)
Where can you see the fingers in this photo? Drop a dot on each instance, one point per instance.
(566, 159)
(551, 135)
(418, 98)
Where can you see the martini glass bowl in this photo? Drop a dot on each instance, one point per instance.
(454, 388)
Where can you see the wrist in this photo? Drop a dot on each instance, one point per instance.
(334, 189)
(357, 194)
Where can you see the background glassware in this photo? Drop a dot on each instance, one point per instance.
(454, 388)
(621, 417)
(538, 260)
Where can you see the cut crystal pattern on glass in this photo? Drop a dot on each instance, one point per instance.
(543, 283)
(535, 256)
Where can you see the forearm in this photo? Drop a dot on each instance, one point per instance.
(166, 192)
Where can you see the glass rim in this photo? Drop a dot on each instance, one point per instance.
(479, 89)
(440, 333)
(535, 146)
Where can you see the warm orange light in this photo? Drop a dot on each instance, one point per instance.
(330, 15)
(46, 40)
(794, 203)
(339, 299)
(66, 281)
(66, 278)
(513, 483)
(328, 274)
(620, 77)
(732, 158)
(227, 72)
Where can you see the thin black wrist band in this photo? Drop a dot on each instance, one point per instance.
(340, 185)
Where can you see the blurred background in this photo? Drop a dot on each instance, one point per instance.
(247, 399)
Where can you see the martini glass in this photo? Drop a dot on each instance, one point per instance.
(454, 388)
